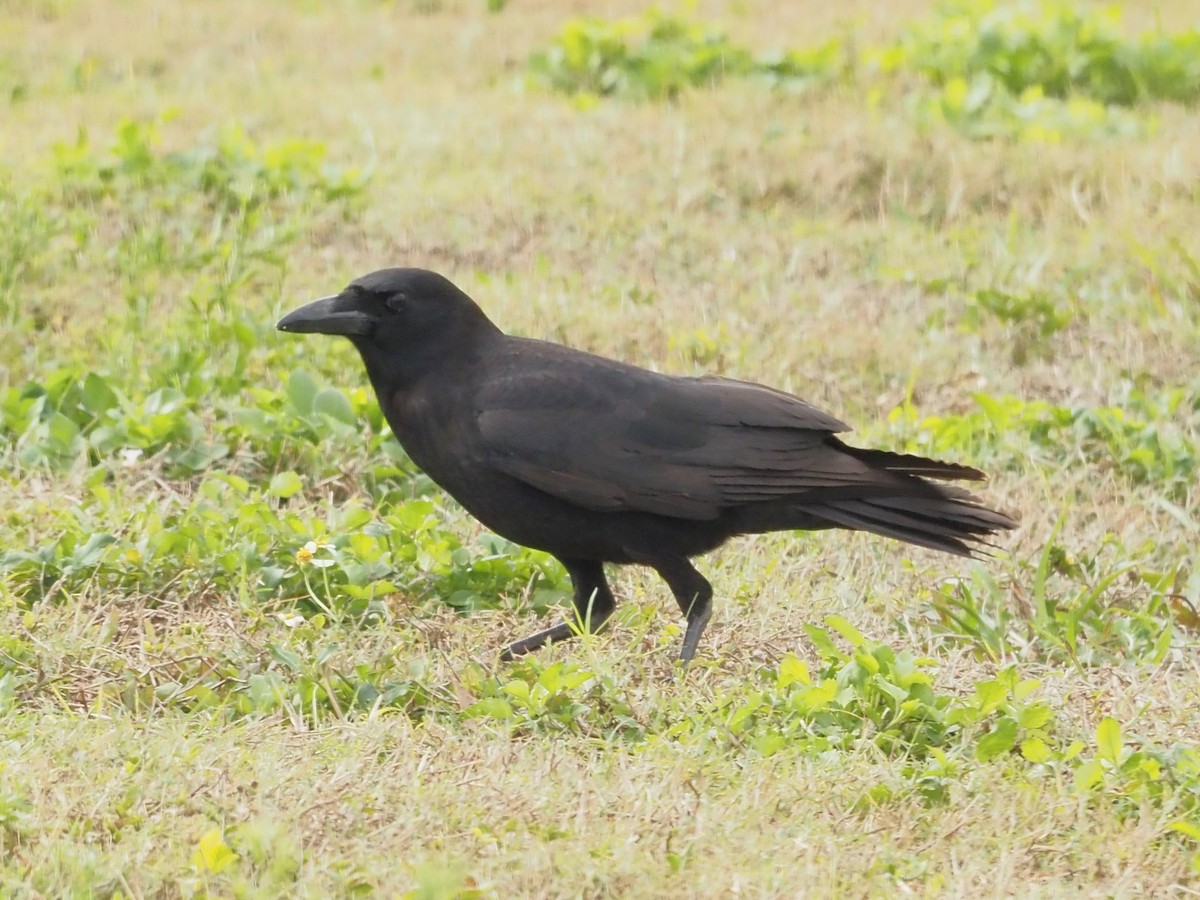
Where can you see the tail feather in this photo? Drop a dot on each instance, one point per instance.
(896, 495)
(909, 507)
(908, 464)
(935, 516)
(846, 519)
(950, 524)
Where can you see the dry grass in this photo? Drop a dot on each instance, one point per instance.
(793, 240)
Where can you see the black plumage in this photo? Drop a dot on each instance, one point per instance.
(597, 461)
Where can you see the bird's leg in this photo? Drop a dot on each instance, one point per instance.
(693, 593)
(593, 602)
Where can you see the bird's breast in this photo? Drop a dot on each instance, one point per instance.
(433, 436)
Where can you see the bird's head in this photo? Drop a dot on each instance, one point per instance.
(396, 305)
(401, 320)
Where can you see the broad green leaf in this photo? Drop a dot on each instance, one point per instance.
(845, 629)
(62, 430)
(1000, 740)
(163, 402)
(301, 391)
(212, 853)
(1035, 716)
(489, 708)
(286, 657)
(1186, 827)
(823, 642)
(743, 714)
(791, 671)
(97, 395)
(897, 693)
(868, 662)
(1108, 739)
(1025, 687)
(768, 744)
(1088, 775)
(989, 695)
(1073, 750)
(517, 688)
(1035, 750)
(551, 677)
(333, 403)
(816, 697)
(285, 484)
(89, 554)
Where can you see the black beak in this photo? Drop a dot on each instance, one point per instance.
(322, 317)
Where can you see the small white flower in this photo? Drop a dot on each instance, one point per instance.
(291, 620)
(306, 555)
(130, 456)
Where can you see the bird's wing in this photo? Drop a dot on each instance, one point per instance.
(606, 436)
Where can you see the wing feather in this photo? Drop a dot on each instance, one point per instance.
(610, 437)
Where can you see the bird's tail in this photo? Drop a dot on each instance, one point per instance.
(905, 502)
(947, 518)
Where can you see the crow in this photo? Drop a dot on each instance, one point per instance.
(596, 461)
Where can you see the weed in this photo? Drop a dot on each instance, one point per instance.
(1112, 437)
(1041, 69)
(658, 56)
(246, 647)
(1058, 49)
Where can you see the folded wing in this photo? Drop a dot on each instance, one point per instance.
(608, 437)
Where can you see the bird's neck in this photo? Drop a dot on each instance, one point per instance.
(444, 361)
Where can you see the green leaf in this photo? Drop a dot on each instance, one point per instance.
(1025, 687)
(817, 697)
(1035, 750)
(845, 629)
(1089, 775)
(89, 554)
(824, 643)
(333, 403)
(163, 402)
(517, 688)
(62, 430)
(868, 662)
(989, 695)
(353, 518)
(768, 744)
(489, 708)
(791, 671)
(1163, 644)
(1185, 827)
(301, 391)
(285, 484)
(896, 692)
(284, 656)
(212, 853)
(97, 395)
(1035, 716)
(551, 677)
(1000, 740)
(265, 690)
(1108, 739)
(1073, 750)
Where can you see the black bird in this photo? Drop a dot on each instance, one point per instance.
(596, 461)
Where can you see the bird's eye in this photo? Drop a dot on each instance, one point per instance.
(395, 302)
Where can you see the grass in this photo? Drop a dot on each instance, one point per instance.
(247, 650)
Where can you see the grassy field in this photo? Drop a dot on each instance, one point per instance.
(247, 651)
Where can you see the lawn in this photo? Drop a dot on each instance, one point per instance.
(248, 650)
